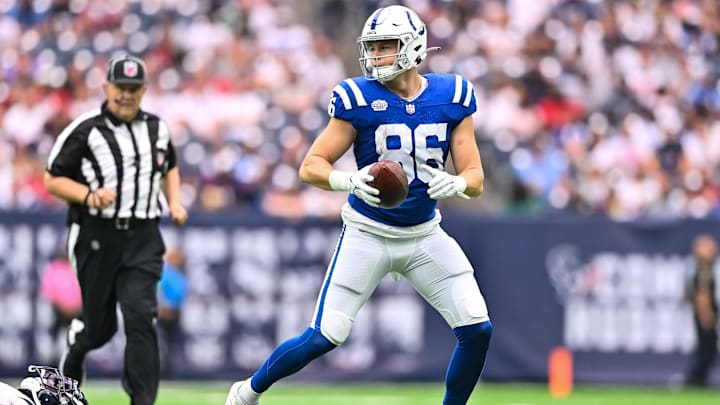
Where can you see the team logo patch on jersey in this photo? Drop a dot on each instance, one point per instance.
(130, 68)
(410, 108)
(379, 105)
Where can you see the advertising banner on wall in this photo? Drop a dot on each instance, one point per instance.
(613, 293)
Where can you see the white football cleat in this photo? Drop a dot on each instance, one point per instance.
(234, 398)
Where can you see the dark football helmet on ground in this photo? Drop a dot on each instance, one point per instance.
(48, 386)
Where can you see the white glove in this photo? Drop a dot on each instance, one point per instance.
(356, 183)
(445, 185)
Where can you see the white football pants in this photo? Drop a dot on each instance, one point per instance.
(433, 263)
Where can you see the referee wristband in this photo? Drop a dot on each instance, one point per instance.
(85, 200)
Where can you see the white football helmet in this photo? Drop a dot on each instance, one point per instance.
(393, 22)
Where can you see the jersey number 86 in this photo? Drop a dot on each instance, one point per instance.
(412, 148)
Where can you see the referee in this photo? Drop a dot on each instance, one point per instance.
(110, 164)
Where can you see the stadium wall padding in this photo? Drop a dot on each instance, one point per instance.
(612, 292)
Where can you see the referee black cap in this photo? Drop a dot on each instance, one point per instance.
(126, 69)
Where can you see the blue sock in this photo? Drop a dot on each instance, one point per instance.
(290, 357)
(467, 362)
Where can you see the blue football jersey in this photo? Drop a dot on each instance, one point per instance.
(411, 132)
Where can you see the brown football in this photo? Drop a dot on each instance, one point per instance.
(390, 179)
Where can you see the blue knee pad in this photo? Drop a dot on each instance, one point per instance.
(477, 334)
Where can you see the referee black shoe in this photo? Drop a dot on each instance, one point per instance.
(71, 364)
(72, 367)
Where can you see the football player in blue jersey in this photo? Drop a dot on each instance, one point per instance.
(393, 112)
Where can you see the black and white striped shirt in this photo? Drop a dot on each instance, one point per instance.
(130, 159)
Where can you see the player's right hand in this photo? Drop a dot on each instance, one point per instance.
(361, 189)
(357, 184)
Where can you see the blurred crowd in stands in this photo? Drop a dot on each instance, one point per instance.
(584, 106)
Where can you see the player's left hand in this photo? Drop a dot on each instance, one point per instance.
(178, 214)
(445, 185)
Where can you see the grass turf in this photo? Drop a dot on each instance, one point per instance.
(182, 393)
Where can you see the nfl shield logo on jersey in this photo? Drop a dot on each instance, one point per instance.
(410, 108)
(130, 68)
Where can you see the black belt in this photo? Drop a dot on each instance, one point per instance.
(122, 224)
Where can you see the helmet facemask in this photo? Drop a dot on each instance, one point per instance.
(47, 385)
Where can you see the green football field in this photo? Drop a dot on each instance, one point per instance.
(177, 393)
